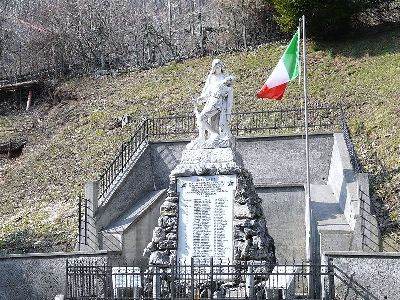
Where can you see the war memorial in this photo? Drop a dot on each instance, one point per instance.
(214, 206)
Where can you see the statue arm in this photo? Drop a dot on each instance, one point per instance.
(204, 92)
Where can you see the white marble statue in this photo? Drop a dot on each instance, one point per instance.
(213, 120)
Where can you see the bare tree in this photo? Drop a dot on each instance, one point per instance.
(85, 35)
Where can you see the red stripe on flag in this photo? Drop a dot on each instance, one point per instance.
(275, 93)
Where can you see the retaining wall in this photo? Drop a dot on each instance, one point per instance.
(38, 276)
(360, 275)
(271, 160)
(283, 208)
(134, 185)
(281, 159)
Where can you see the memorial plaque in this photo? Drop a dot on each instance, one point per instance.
(206, 217)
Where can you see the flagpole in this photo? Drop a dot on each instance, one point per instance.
(309, 217)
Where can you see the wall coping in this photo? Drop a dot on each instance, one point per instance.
(259, 184)
(362, 254)
(261, 137)
(54, 254)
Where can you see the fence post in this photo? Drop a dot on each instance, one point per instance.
(250, 282)
(67, 279)
(79, 222)
(362, 219)
(92, 194)
(192, 276)
(156, 284)
(9, 149)
(331, 279)
(86, 221)
(91, 201)
(211, 277)
(173, 269)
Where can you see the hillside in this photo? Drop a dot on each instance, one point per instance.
(70, 142)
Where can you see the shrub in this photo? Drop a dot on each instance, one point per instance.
(326, 19)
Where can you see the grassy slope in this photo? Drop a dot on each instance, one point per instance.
(70, 143)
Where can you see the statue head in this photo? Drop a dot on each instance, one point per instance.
(217, 67)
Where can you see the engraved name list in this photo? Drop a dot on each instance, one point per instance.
(206, 217)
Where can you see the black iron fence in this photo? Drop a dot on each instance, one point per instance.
(83, 221)
(349, 143)
(88, 236)
(199, 280)
(280, 121)
(371, 238)
(125, 154)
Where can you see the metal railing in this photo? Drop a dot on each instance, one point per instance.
(349, 143)
(120, 162)
(371, 238)
(88, 237)
(82, 221)
(280, 121)
(197, 280)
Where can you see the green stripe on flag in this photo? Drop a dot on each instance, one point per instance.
(291, 57)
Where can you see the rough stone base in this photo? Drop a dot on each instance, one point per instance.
(251, 239)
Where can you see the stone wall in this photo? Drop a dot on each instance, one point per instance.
(165, 157)
(283, 209)
(37, 276)
(270, 160)
(251, 238)
(360, 275)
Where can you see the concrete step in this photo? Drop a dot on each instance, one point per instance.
(327, 211)
(112, 235)
(334, 231)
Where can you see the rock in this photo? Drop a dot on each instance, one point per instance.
(244, 222)
(172, 236)
(247, 211)
(150, 248)
(167, 244)
(238, 234)
(158, 234)
(169, 209)
(159, 258)
(167, 221)
(173, 199)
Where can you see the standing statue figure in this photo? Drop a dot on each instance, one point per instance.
(213, 120)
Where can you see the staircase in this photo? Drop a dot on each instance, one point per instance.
(112, 236)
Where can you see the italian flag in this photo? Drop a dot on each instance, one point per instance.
(287, 69)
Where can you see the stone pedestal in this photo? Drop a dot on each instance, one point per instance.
(204, 176)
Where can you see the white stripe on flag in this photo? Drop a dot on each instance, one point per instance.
(278, 76)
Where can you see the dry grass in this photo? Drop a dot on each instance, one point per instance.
(70, 143)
